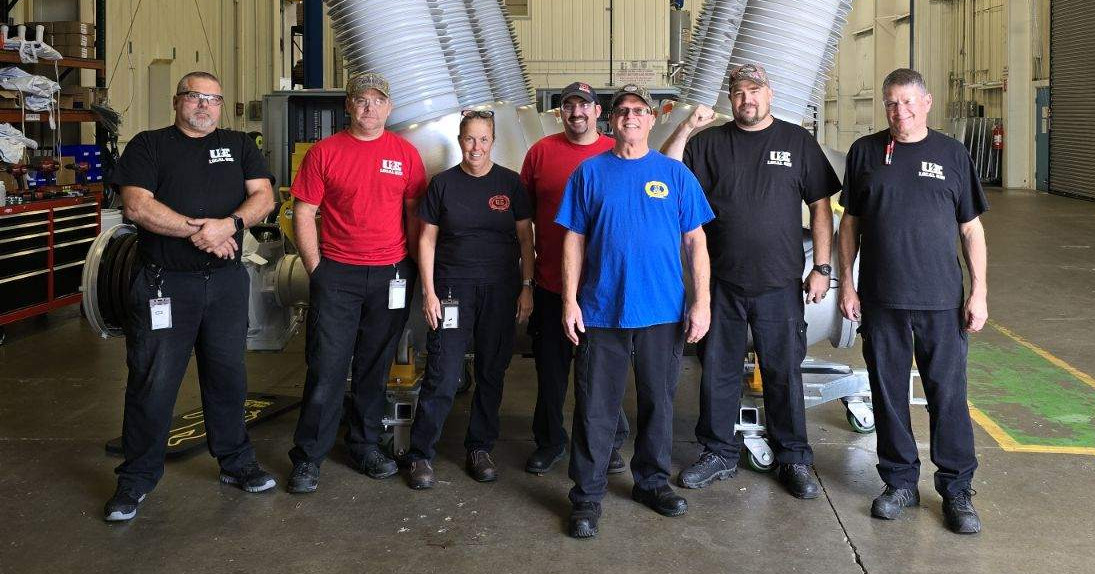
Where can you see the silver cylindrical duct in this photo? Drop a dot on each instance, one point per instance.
(709, 54)
(399, 41)
(462, 53)
(796, 46)
(498, 43)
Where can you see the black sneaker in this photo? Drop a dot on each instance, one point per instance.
(893, 501)
(661, 500)
(709, 468)
(123, 505)
(959, 513)
(616, 463)
(543, 459)
(798, 480)
(583, 519)
(304, 478)
(376, 464)
(251, 478)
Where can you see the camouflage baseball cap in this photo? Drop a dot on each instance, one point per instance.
(632, 90)
(362, 82)
(753, 72)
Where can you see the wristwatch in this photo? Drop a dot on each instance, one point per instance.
(528, 283)
(825, 269)
(238, 221)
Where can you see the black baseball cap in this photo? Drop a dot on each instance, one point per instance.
(580, 90)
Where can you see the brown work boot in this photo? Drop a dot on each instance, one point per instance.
(421, 475)
(481, 466)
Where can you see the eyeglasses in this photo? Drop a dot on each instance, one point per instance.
(195, 97)
(570, 107)
(485, 114)
(624, 111)
(366, 102)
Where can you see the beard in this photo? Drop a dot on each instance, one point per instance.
(579, 130)
(760, 115)
(200, 123)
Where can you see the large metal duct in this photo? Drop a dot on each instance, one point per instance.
(462, 52)
(796, 46)
(709, 54)
(497, 40)
(399, 41)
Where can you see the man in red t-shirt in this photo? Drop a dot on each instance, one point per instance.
(547, 167)
(366, 182)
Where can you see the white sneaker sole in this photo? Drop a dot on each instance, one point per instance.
(119, 516)
(270, 483)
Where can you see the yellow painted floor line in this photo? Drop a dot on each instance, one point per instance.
(1008, 444)
(1086, 378)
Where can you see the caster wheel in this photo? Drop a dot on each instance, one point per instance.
(467, 379)
(858, 426)
(757, 465)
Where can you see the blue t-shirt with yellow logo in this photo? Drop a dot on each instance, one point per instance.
(632, 213)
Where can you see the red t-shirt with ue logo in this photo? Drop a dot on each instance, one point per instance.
(360, 187)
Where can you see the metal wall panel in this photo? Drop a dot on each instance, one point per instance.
(1071, 84)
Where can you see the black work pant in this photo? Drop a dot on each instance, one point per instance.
(600, 379)
(553, 353)
(488, 314)
(348, 318)
(209, 317)
(891, 338)
(779, 339)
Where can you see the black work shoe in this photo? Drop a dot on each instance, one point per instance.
(304, 478)
(481, 466)
(251, 478)
(543, 459)
(616, 463)
(661, 500)
(123, 505)
(376, 464)
(709, 468)
(421, 475)
(583, 519)
(893, 501)
(798, 480)
(959, 513)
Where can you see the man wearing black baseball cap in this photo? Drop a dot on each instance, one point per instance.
(757, 171)
(548, 164)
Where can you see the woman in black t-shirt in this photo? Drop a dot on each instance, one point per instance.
(475, 261)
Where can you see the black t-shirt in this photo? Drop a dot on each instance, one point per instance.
(196, 177)
(909, 214)
(477, 216)
(756, 183)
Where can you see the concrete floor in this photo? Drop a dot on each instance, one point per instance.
(62, 393)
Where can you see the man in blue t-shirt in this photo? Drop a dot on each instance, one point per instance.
(627, 212)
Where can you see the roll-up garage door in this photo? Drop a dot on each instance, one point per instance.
(1072, 98)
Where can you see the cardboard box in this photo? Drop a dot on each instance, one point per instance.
(62, 27)
(66, 102)
(76, 52)
(66, 176)
(83, 97)
(71, 40)
(9, 100)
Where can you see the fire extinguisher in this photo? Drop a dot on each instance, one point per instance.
(998, 137)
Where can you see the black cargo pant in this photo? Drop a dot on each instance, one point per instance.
(600, 379)
(553, 353)
(487, 313)
(349, 318)
(209, 317)
(779, 339)
(891, 338)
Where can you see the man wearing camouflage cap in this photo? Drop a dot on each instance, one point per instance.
(627, 212)
(367, 181)
(757, 171)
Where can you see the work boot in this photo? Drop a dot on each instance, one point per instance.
(304, 478)
(543, 459)
(959, 513)
(481, 466)
(661, 500)
(376, 464)
(616, 463)
(583, 519)
(893, 501)
(707, 469)
(798, 480)
(421, 475)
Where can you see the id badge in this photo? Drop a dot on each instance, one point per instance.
(450, 314)
(397, 293)
(161, 312)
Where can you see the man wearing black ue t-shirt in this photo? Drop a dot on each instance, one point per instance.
(757, 171)
(909, 192)
(191, 189)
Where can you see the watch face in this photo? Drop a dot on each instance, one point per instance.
(824, 269)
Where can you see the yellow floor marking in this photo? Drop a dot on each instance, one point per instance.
(1086, 378)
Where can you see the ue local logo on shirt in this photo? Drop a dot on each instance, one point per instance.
(220, 155)
(390, 166)
(929, 169)
(657, 189)
(779, 158)
(499, 203)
